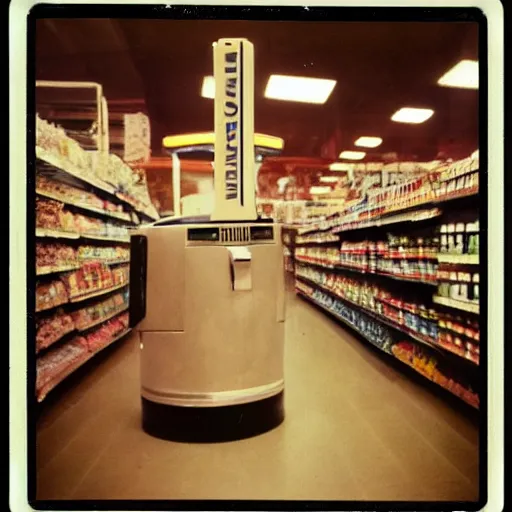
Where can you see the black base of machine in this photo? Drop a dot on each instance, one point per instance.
(212, 424)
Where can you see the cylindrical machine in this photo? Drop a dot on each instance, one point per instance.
(207, 295)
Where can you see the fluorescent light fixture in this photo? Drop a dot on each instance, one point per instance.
(353, 155)
(208, 88)
(368, 142)
(329, 179)
(412, 115)
(340, 166)
(463, 75)
(319, 190)
(299, 88)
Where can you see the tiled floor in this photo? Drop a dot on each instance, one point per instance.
(356, 428)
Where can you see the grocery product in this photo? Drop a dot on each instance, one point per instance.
(53, 364)
(91, 277)
(417, 358)
(52, 328)
(91, 252)
(84, 318)
(49, 295)
(55, 255)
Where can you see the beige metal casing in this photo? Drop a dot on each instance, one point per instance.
(206, 339)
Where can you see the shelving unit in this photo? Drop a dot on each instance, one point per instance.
(59, 377)
(363, 334)
(360, 230)
(82, 199)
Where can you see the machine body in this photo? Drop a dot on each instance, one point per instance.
(207, 295)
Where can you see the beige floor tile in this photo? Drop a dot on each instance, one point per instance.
(355, 429)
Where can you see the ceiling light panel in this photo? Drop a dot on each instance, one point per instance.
(412, 115)
(463, 75)
(329, 179)
(368, 142)
(208, 88)
(340, 166)
(352, 155)
(298, 88)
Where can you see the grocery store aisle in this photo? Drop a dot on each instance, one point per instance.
(355, 429)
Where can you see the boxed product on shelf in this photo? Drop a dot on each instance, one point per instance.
(91, 277)
(50, 329)
(322, 256)
(55, 255)
(107, 332)
(375, 332)
(415, 356)
(92, 252)
(52, 214)
(58, 360)
(69, 192)
(458, 284)
(50, 295)
(460, 238)
(87, 316)
(54, 140)
(120, 274)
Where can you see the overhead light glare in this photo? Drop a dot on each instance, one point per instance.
(340, 166)
(329, 179)
(319, 190)
(463, 75)
(368, 142)
(352, 155)
(412, 115)
(299, 88)
(208, 88)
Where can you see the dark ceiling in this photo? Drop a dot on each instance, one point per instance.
(379, 67)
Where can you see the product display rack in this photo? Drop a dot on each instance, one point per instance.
(289, 234)
(470, 401)
(431, 241)
(78, 269)
(60, 376)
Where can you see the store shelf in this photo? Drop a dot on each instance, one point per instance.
(54, 233)
(97, 293)
(458, 259)
(68, 168)
(418, 370)
(401, 328)
(91, 180)
(42, 271)
(317, 242)
(321, 265)
(116, 215)
(413, 213)
(103, 319)
(43, 392)
(107, 262)
(135, 206)
(415, 216)
(469, 307)
(106, 238)
(53, 306)
(366, 272)
(339, 317)
(65, 333)
(405, 278)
